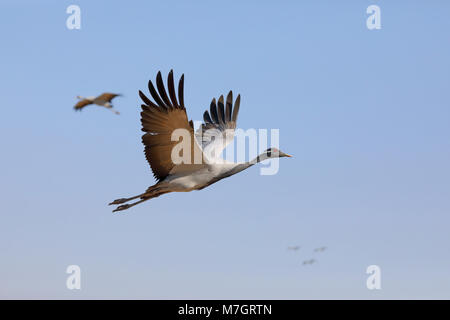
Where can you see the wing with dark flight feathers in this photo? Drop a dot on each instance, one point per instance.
(219, 125)
(107, 96)
(159, 119)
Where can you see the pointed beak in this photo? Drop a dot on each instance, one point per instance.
(287, 155)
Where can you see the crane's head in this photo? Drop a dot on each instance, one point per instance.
(275, 153)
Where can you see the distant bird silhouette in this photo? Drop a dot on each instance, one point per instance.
(103, 100)
(294, 248)
(321, 249)
(311, 261)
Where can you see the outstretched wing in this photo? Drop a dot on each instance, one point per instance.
(81, 104)
(159, 119)
(107, 96)
(219, 126)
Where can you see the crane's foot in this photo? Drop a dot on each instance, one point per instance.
(119, 201)
(122, 207)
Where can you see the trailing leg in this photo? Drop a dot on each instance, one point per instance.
(123, 200)
(152, 192)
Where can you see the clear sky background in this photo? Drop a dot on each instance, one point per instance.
(365, 113)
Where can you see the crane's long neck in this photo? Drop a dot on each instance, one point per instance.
(244, 165)
(263, 156)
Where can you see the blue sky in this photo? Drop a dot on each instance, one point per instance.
(365, 113)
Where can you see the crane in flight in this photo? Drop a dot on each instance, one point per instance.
(167, 113)
(103, 100)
